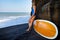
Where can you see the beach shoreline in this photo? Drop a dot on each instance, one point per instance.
(13, 20)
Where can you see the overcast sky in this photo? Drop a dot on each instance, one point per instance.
(15, 5)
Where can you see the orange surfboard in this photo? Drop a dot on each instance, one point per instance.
(46, 29)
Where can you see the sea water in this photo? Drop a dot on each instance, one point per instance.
(12, 14)
(13, 18)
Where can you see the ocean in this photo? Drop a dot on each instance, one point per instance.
(13, 18)
(12, 14)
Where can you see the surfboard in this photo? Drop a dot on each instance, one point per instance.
(45, 28)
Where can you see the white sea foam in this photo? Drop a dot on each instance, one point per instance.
(10, 18)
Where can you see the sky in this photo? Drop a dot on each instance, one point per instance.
(15, 5)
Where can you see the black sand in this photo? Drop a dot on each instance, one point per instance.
(18, 32)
